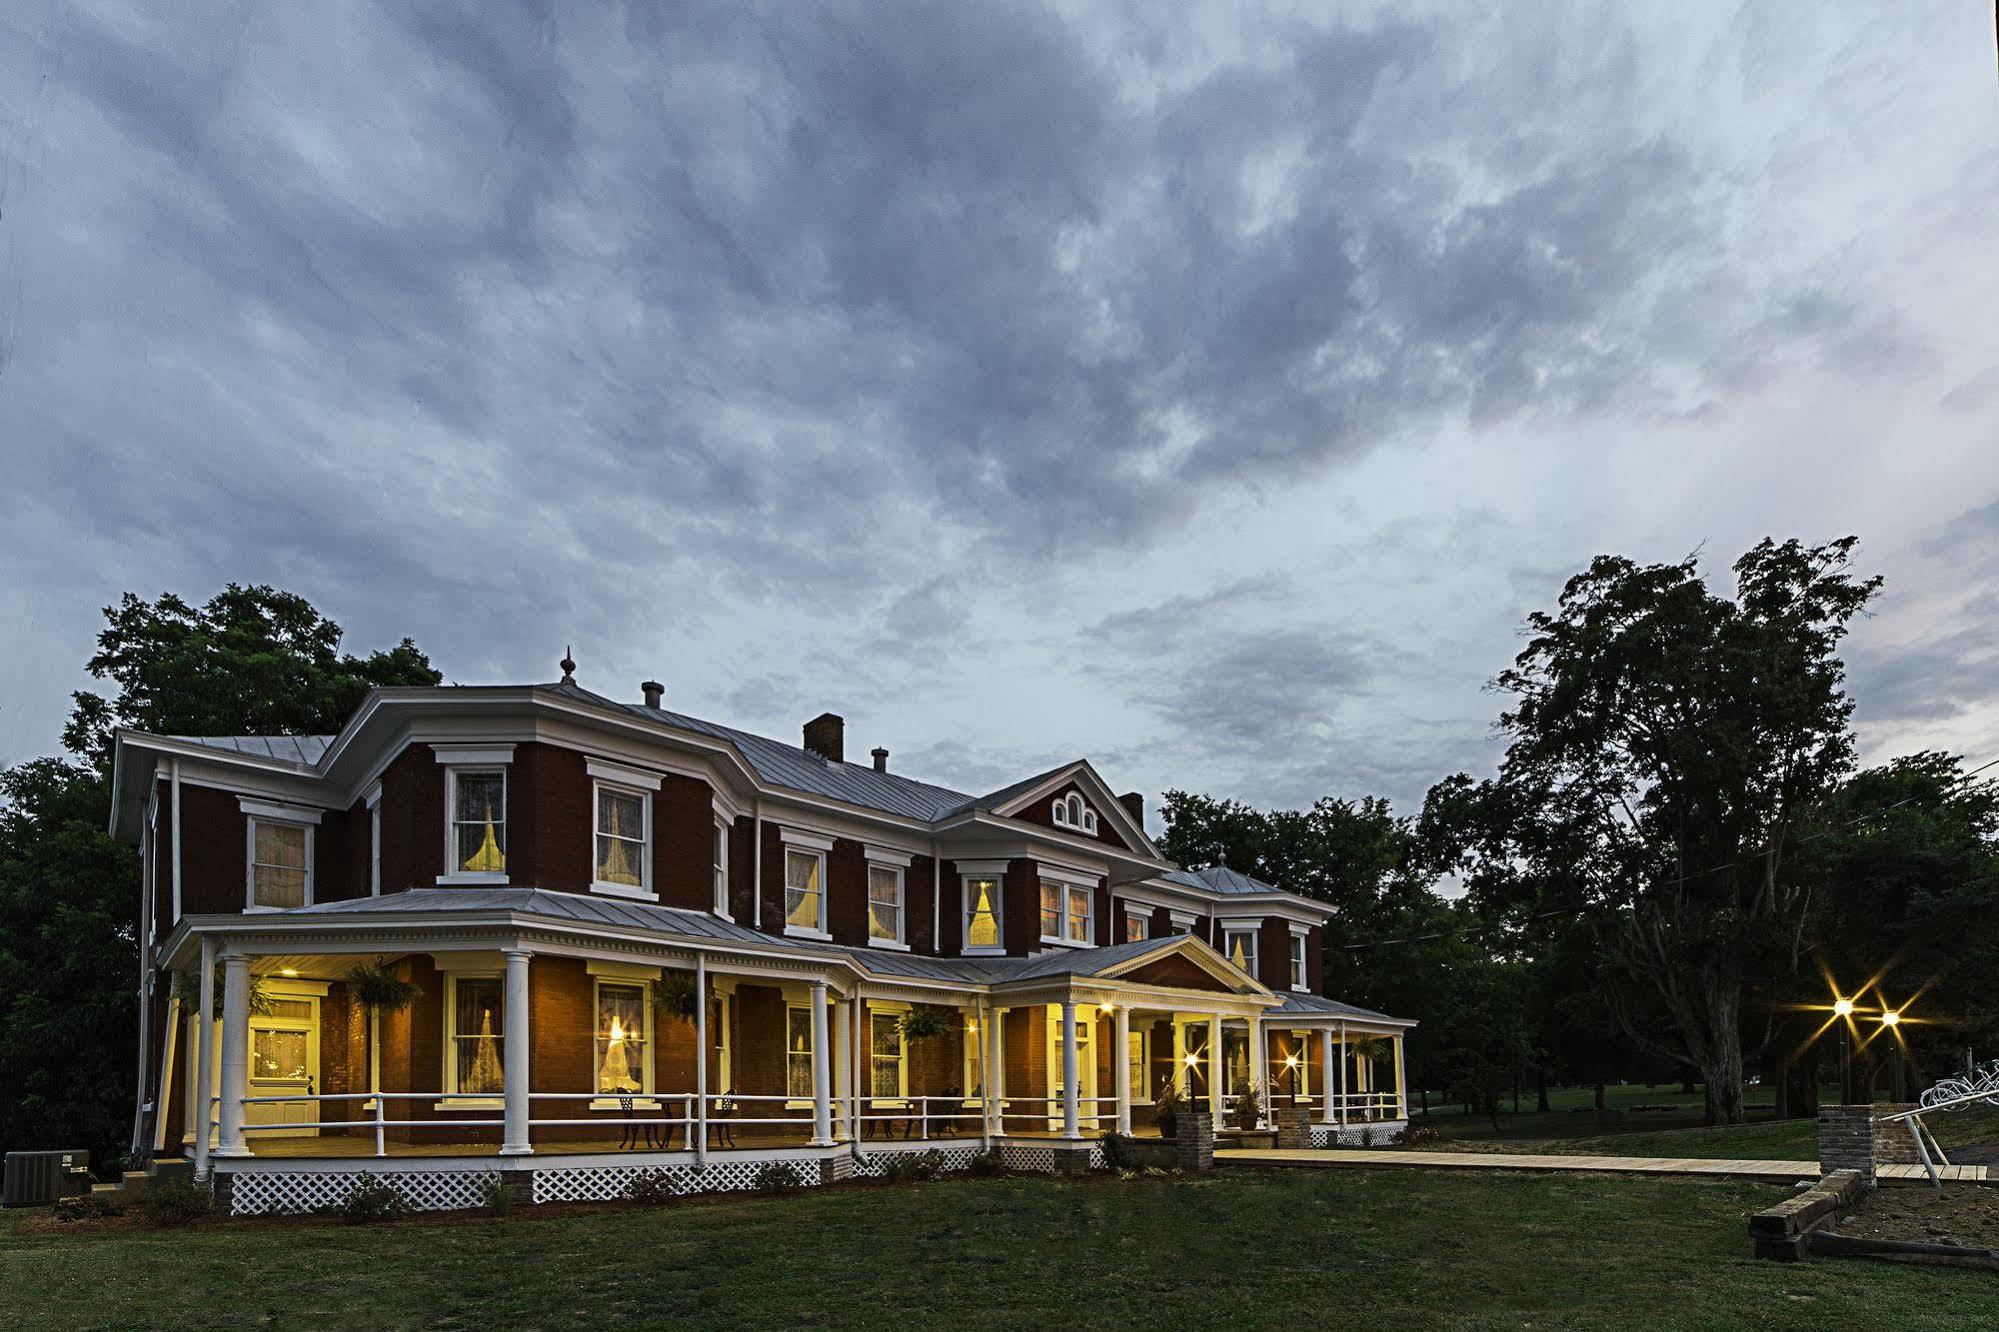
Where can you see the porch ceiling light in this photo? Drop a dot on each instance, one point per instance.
(1192, 1060)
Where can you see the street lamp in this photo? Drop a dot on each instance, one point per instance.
(1842, 1007)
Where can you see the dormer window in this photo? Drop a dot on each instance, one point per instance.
(1072, 812)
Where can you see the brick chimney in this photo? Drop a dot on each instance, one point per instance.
(826, 736)
(880, 757)
(654, 691)
(1134, 805)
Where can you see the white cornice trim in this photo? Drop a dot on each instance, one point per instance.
(278, 813)
(620, 775)
(465, 756)
(810, 841)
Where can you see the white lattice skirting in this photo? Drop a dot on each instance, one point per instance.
(608, 1183)
(1379, 1134)
(874, 1160)
(272, 1193)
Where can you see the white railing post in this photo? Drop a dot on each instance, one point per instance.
(381, 1137)
(1259, 1070)
(1121, 1062)
(1071, 1128)
(1401, 1082)
(515, 1135)
(235, 1052)
(1343, 1075)
(822, 1081)
(923, 1117)
(1216, 1072)
(846, 1112)
(697, 1127)
(1326, 1076)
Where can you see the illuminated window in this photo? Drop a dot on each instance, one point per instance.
(1065, 913)
(804, 904)
(975, 1064)
(478, 820)
(888, 1070)
(1298, 972)
(1240, 945)
(798, 1052)
(622, 859)
(476, 1024)
(982, 921)
(1137, 925)
(280, 864)
(885, 903)
(622, 1065)
(1135, 1054)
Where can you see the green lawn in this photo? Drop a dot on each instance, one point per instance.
(1296, 1249)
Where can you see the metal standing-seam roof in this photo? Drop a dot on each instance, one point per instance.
(1315, 1005)
(303, 750)
(1219, 879)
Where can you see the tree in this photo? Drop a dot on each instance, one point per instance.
(1663, 742)
(253, 660)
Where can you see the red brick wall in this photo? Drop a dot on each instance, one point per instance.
(1273, 953)
(1162, 922)
(1024, 1033)
(742, 870)
(918, 882)
(683, 825)
(213, 868)
(951, 912)
(1315, 959)
(846, 890)
(163, 863)
(1022, 907)
(770, 906)
(412, 820)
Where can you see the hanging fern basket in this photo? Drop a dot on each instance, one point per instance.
(925, 1023)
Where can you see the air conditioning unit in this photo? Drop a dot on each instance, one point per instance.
(37, 1179)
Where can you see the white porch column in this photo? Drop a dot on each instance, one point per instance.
(1343, 1074)
(1071, 1126)
(822, 1081)
(995, 1037)
(1326, 1076)
(700, 1061)
(235, 1052)
(843, 1062)
(1401, 1083)
(204, 1056)
(515, 1139)
(1121, 1061)
(1216, 1073)
(1259, 1069)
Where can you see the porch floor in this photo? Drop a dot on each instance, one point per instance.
(360, 1146)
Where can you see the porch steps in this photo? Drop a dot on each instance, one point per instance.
(1785, 1172)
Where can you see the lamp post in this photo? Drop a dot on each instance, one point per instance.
(1843, 1010)
(1891, 1019)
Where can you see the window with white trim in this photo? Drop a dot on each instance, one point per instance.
(1240, 947)
(888, 1063)
(623, 837)
(621, 1061)
(804, 898)
(474, 1029)
(280, 863)
(1065, 913)
(1071, 811)
(478, 805)
(721, 868)
(1137, 1051)
(1298, 972)
(798, 1052)
(973, 1048)
(375, 848)
(983, 930)
(885, 904)
(1137, 924)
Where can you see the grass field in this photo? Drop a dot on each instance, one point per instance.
(1234, 1249)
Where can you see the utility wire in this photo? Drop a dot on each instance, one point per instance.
(1684, 878)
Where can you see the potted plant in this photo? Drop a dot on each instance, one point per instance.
(925, 1022)
(673, 995)
(187, 989)
(1166, 1109)
(378, 990)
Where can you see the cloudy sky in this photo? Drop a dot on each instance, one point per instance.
(1208, 393)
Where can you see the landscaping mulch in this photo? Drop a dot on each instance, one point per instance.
(1966, 1215)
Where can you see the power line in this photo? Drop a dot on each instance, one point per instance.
(1684, 878)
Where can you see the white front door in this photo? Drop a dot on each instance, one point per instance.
(284, 1061)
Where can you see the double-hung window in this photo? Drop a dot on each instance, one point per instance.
(475, 812)
(798, 1052)
(1298, 972)
(623, 865)
(888, 1070)
(1135, 1051)
(1240, 946)
(1065, 913)
(374, 799)
(984, 930)
(721, 868)
(279, 854)
(805, 882)
(621, 1061)
(884, 904)
(1137, 924)
(475, 1021)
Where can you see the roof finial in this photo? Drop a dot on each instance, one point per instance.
(568, 666)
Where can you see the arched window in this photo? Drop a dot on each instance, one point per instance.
(1072, 812)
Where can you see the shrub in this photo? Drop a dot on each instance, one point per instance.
(1247, 1110)
(178, 1203)
(493, 1191)
(902, 1166)
(650, 1188)
(1367, 1137)
(87, 1207)
(776, 1177)
(1166, 1107)
(373, 1199)
(986, 1164)
(1117, 1152)
(1418, 1135)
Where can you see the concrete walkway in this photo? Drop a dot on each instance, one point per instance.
(1782, 1171)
